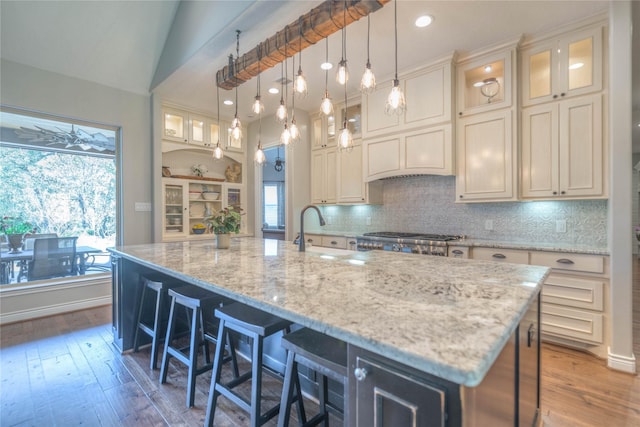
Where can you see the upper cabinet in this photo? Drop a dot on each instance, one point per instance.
(195, 129)
(485, 83)
(562, 67)
(323, 131)
(428, 93)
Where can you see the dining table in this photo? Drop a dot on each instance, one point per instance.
(8, 258)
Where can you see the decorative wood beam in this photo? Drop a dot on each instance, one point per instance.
(317, 24)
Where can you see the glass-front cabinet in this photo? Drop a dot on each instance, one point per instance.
(562, 67)
(173, 223)
(234, 195)
(485, 84)
(174, 125)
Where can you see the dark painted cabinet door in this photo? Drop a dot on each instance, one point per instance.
(529, 367)
(387, 397)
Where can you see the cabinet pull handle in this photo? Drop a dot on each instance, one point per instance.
(530, 333)
(564, 261)
(333, 242)
(499, 256)
(360, 373)
(352, 242)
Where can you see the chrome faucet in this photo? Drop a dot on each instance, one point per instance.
(301, 242)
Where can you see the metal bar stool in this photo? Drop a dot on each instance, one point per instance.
(201, 303)
(325, 355)
(157, 328)
(256, 325)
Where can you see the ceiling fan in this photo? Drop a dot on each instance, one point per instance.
(74, 138)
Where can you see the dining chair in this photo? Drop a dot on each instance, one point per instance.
(52, 257)
(27, 245)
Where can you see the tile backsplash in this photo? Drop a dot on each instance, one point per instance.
(427, 204)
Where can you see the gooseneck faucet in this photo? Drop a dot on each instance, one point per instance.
(301, 241)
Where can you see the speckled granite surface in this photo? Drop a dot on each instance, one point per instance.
(447, 317)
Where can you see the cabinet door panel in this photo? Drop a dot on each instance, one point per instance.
(539, 151)
(485, 168)
(581, 154)
(426, 98)
(383, 157)
(581, 325)
(376, 120)
(351, 182)
(429, 151)
(331, 176)
(317, 176)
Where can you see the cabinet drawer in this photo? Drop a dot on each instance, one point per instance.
(334, 242)
(571, 262)
(313, 239)
(458, 252)
(574, 292)
(572, 323)
(501, 255)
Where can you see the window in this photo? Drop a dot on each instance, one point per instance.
(273, 208)
(59, 176)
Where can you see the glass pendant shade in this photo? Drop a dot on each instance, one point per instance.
(218, 153)
(281, 112)
(396, 103)
(300, 84)
(294, 132)
(285, 136)
(327, 106)
(259, 158)
(368, 81)
(258, 106)
(342, 76)
(236, 131)
(345, 139)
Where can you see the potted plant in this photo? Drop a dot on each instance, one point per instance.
(224, 222)
(15, 229)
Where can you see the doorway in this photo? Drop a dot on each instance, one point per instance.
(273, 194)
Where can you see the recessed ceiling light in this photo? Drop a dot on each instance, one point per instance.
(424, 21)
(576, 65)
(488, 69)
(228, 102)
(326, 66)
(274, 90)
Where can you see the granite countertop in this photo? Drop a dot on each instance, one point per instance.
(444, 316)
(553, 247)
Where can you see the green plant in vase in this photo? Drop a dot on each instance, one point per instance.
(15, 229)
(224, 222)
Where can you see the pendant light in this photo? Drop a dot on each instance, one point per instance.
(236, 126)
(345, 139)
(259, 158)
(342, 76)
(218, 153)
(258, 106)
(279, 163)
(294, 132)
(395, 101)
(300, 84)
(281, 112)
(326, 106)
(368, 81)
(285, 136)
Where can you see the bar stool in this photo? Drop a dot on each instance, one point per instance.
(157, 330)
(201, 303)
(325, 355)
(257, 325)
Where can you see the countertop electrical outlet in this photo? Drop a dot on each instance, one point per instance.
(561, 226)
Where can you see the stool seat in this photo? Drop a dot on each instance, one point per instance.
(325, 355)
(255, 325)
(200, 303)
(155, 328)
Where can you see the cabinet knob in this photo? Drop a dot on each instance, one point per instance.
(555, 192)
(555, 96)
(460, 113)
(460, 196)
(562, 192)
(360, 373)
(562, 94)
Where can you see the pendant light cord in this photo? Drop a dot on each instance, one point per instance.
(235, 71)
(218, 105)
(368, 33)
(395, 25)
(326, 60)
(344, 54)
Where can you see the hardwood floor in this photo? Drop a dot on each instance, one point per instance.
(64, 371)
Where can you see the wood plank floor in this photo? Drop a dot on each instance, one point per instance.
(64, 371)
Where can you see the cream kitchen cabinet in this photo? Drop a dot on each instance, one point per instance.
(324, 175)
(422, 151)
(486, 157)
(563, 152)
(195, 129)
(564, 66)
(352, 187)
(323, 131)
(428, 92)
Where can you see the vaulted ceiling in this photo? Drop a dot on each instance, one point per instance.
(174, 48)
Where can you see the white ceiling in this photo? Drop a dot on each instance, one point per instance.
(121, 43)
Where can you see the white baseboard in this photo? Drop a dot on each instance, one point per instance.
(25, 302)
(622, 363)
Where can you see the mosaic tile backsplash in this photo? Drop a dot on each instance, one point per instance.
(427, 204)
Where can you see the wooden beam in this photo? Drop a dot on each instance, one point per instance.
(317, 24)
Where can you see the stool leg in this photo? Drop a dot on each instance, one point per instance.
(287, 391)
(232, 353)
(157, 322)
(215, 376)
(168, 339)
(194, 343)
(323, 394)
(136, 336)
(256, 380)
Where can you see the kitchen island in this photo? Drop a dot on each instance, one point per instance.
(451, 327)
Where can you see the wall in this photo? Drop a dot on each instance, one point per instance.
(635, 198)
(33, 89)
(427, 204)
